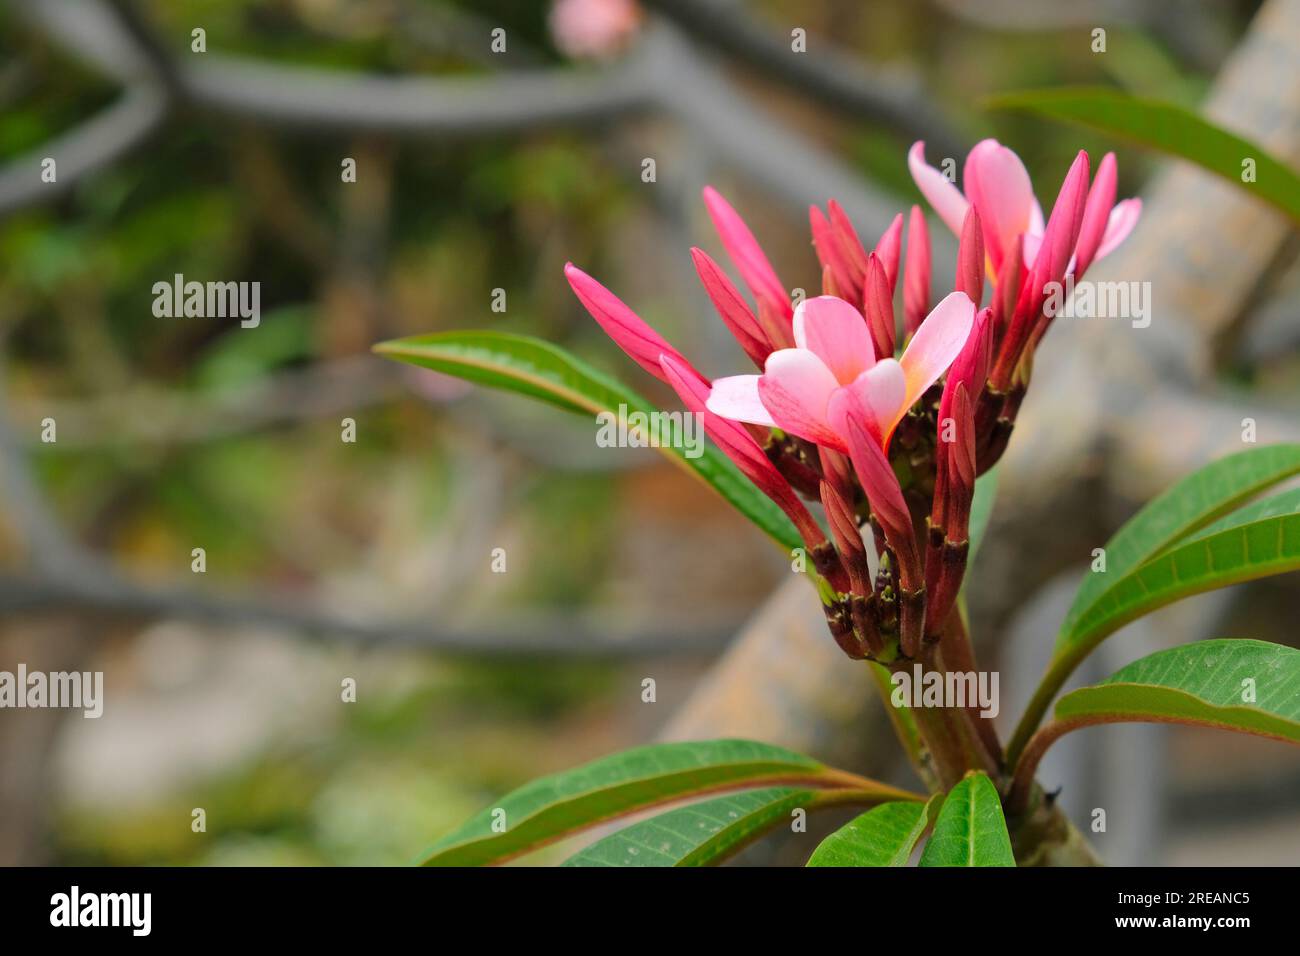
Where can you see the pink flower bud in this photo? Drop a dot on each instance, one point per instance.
(889, 249)
(878, 306)
(916, 282)
(830, 254)
(970, 258)
(885, 496)
(642, 344)
(1096, 215)
(732, 309)
(748, 256)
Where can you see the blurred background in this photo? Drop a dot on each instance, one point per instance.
(493, 141)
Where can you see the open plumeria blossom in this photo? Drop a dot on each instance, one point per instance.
(848, 399)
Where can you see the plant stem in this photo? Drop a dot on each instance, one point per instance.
(1022, 778)
(954, 744)
(950, 756)
(904, 723)
(1058, 672)
(957, 653)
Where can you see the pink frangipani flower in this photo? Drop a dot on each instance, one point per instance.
(996, 183)
(890, 571)
(804, 390)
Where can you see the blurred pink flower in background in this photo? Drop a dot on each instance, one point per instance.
(593, 29)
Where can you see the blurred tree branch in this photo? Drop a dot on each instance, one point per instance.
(893, 98)
(663, 73)
(1180, 23)
(84, 150)
(525, 634)
(64, 576)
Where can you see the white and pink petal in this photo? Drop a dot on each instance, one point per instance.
(736, 397)
(944, 197)
(837, 334)
(936, 344)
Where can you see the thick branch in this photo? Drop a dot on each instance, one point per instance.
(527, 634)
(339, 101)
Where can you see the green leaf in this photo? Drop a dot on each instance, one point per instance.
(1255, 542)
(1208, 683)
(970, 829)
(538, 369)
(551, 807)
(1191, 525)
(703, 833)
(883, 836)
(981, 510)
(1280, 505)
(1169, 129)
(1196, 500)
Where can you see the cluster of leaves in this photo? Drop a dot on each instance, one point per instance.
(772, 785)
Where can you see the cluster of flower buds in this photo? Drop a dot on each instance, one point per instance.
(849, 413)
(1022, 256)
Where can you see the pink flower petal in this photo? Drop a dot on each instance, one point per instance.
(882, 390)
(737, 444)
(1096, 215)
(916, 272)
(945, 198)
(746, 253)
(996, 182)
(1123, 218)
(836, 333)
(642, 343)
(937, 342)
(1033, 242)
(889, 249)
(733, 310)
(795, 389)
(831, 255)
(736, 397)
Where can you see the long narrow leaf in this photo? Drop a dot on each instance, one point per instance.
(1256, 542)
(1198, 499)
(705, 833)
(552, 807)
(540, 370)
(1249, 686)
